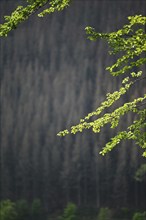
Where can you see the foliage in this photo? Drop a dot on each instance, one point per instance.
(22, 13)
(130, 43)
(36, 209)
(8, 210)
(104, 214)
(131, 40)
(134, 81)
(140, 174)
(139, 216)
(22, 209)
(69, 212)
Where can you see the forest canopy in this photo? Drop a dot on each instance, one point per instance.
(130, 44)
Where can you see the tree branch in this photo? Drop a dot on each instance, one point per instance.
(20, 15)
(139, 79)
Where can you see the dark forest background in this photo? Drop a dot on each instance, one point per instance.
(51, 76)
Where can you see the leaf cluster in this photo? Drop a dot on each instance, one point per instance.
(8, 210)
(140, 174)
(22, 13)
(130, 41)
